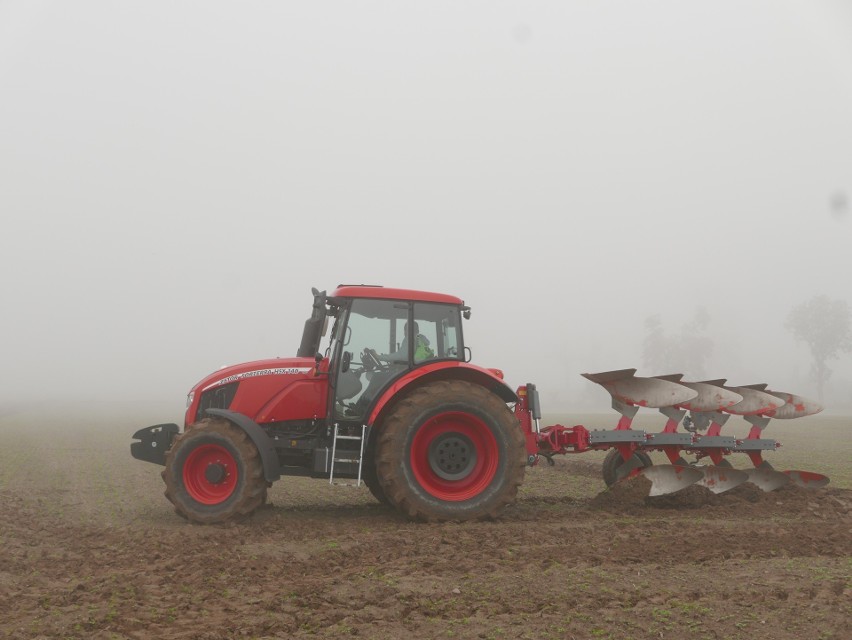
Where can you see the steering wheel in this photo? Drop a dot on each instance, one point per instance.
(370, 359)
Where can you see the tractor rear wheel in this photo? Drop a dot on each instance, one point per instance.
(214, 473)
(614, 460)
(371, 477)
(450, 450)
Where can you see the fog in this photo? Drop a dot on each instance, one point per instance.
(175, 177)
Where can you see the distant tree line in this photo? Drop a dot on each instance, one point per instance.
(825, 325)
(685, 351)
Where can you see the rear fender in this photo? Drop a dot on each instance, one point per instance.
(453, 370)
(271, 468)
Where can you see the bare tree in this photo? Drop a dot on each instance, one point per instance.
(656, 350)
(825, 325)
(684, 352)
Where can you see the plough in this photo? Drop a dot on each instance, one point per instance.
(702, 408)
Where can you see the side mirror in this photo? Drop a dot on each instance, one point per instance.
(347, 358)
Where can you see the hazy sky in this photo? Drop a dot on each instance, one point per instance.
(176, 176)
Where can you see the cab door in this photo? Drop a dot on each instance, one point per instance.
(369, 355)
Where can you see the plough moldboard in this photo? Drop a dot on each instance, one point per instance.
(702, 408)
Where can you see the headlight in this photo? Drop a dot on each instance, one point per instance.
(189, 398)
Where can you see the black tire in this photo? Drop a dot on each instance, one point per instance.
(450, 451)
(371, 477)
(613, 461)
(214, 473)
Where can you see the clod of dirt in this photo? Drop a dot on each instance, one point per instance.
(623, 496)
(746, 492)
(692, 497)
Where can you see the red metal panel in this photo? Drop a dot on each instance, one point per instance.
(301, 400)
(561, 439)
(384, 293)
(522, 413)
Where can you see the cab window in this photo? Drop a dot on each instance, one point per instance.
(438, 325)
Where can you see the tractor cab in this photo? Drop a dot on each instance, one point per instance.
(378, 336)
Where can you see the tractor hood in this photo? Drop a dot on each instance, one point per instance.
(300, 367)
(250, 387)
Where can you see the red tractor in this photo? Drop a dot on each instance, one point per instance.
(394, 401)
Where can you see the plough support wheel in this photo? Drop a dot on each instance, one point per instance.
(615, 468)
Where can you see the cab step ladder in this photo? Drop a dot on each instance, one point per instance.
(360, 459)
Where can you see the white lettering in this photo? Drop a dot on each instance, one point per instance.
(288, 371)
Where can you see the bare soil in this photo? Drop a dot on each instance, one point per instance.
(89, 548)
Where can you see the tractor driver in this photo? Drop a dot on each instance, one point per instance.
(397, 361)
(422, 350)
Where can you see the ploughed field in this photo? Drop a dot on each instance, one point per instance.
(90, 548)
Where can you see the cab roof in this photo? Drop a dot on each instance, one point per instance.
(385, 293)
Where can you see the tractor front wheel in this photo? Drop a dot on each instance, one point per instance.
(214, 473)
(450, 450)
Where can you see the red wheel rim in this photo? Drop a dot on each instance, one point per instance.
(210, 474)
(457, 429)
